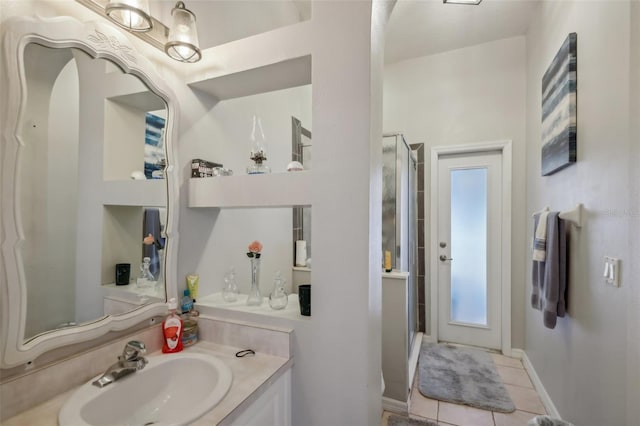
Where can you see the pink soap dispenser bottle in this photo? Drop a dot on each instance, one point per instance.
(172, 330)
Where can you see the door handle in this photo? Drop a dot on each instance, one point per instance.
(444, 258)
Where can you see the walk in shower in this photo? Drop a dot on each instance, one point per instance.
(399, 212)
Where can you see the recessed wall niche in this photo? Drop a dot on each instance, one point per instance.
(251, 207)
(121, 240)
(134, 128)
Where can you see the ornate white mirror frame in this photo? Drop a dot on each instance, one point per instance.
(99, 41)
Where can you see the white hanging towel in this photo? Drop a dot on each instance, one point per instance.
(301, 253)
(540, 239)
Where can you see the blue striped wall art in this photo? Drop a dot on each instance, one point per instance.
(559, 108)
(154, 157)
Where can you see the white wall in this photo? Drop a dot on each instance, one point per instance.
(63, 179)
(475, 94)
(49, 163)
(633, 306)
(584, 362)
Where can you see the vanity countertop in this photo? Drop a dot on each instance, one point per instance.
(252, 375)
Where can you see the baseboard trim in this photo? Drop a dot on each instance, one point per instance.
(429, 338)
(516, 353)
(395, 406)
(537, 383)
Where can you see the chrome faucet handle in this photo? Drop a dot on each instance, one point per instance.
(133, 350)
(141, 363)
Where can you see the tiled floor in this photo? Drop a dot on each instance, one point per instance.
(518, 384)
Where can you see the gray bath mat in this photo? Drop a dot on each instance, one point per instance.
(403, 421)
(463, 376)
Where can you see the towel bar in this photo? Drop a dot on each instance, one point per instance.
(574, 215)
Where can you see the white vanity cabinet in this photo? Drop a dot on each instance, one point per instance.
(271, 408)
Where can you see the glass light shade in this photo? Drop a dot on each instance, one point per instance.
(182, 43)
(257, 139)
(132, 15)
(257, 149)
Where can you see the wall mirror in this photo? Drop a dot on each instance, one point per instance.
(87, 186)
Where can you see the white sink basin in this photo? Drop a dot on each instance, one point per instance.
(173, 389)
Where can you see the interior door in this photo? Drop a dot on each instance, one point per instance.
(469, 249)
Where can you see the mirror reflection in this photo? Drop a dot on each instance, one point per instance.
(92, 193)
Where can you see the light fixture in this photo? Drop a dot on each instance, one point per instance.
(132, 15)
(179, 42)
(182, 43)
(471, 2)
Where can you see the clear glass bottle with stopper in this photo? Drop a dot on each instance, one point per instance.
(230, 291)
(145, 278)
(278, 298)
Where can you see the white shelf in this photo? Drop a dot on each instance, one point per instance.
(274, 60)
(130, 293)
(152, 192)
(269, 190)
(210, 304)
(145, 101)
(130, 90)
(277, 76)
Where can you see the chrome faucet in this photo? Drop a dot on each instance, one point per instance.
(129, 362)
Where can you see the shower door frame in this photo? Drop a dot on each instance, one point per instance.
(406, 225)
(505, 150)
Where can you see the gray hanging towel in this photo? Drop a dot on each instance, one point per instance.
(549, 278)
(151, 225)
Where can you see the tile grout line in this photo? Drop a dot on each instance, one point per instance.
(519, 386)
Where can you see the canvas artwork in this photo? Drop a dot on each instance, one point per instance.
(559, 115)
(154, 159)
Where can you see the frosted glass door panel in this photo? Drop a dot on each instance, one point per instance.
(469, 246)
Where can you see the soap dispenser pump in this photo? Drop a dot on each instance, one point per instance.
(172, 329)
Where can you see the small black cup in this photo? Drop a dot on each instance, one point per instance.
(304, 297)
(123, 271)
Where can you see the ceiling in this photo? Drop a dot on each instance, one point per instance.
(416, 27)
(425, 27)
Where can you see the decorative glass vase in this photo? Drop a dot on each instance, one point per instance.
(230, 291)
(255, 298)
(278, 298)
(145, 278)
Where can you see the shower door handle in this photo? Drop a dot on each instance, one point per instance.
(444, 258)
